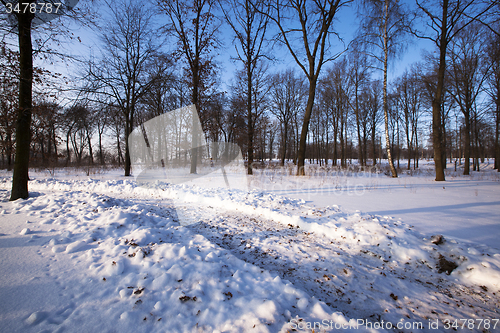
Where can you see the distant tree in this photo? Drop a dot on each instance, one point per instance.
(305, 28)
(467, 74)
(287, 99)
(74, 127)
(249, 26)
(334, 96)
(493, 86)
(195, 27)
(102, 117)
(409, 98)
(117, 130)
(358, 76)
(235, 123)
(160, 96)
(44, 84)
(365, 101)
(46, 116)
(131, 42)
(374, 92)
(9, 81)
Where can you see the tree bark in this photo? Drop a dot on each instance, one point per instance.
(497, 130)
(23, 135)
(128, 130)
(386, 106)
(437, 134)
(249, 109)
(305, 126)
(356, 110)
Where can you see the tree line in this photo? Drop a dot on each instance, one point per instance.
(334, 105)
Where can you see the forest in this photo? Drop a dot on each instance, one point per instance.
(332, 104)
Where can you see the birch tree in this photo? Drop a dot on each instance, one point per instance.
(383, 30)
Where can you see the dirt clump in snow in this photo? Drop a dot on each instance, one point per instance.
(445, 265)
(437, 239)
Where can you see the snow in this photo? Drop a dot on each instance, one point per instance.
(320, 253)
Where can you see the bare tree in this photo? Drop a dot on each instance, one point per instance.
(195, 27)
(249, 25)
(409, 100)
(467, 77)
(334, 97)
(366, 108)
(23, 122)
(493, 81)
(131, 42)
(9, 81)
(44, 131)
(375, 90)
(305, 28)
(358, 75)
(20, 19)
(382, 32)
(445, 19)
(75, 119)
(102, 120)
(287, 98)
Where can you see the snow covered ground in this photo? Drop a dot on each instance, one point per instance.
(328, 252)
(465, 208)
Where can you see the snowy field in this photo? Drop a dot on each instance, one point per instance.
(332, 251)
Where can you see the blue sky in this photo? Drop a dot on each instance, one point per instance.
(346, 25)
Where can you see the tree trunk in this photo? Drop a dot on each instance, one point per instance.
(374, 146)
(437, 135)
(23, 123)
(327, 146)
(497, 130)
(305, 126)
(9, 150)
(101, 155)
(399, 147)
(68, 152)
(335, 134)
(477, 148)
(91, 154)
(54, 141)
(386, 106)
(194, 132)
(128, 130)
(284, 145)
(409, 149)
(249, 117)
(342, 142)
(445, 143)
(360, 146)
(467, 144)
